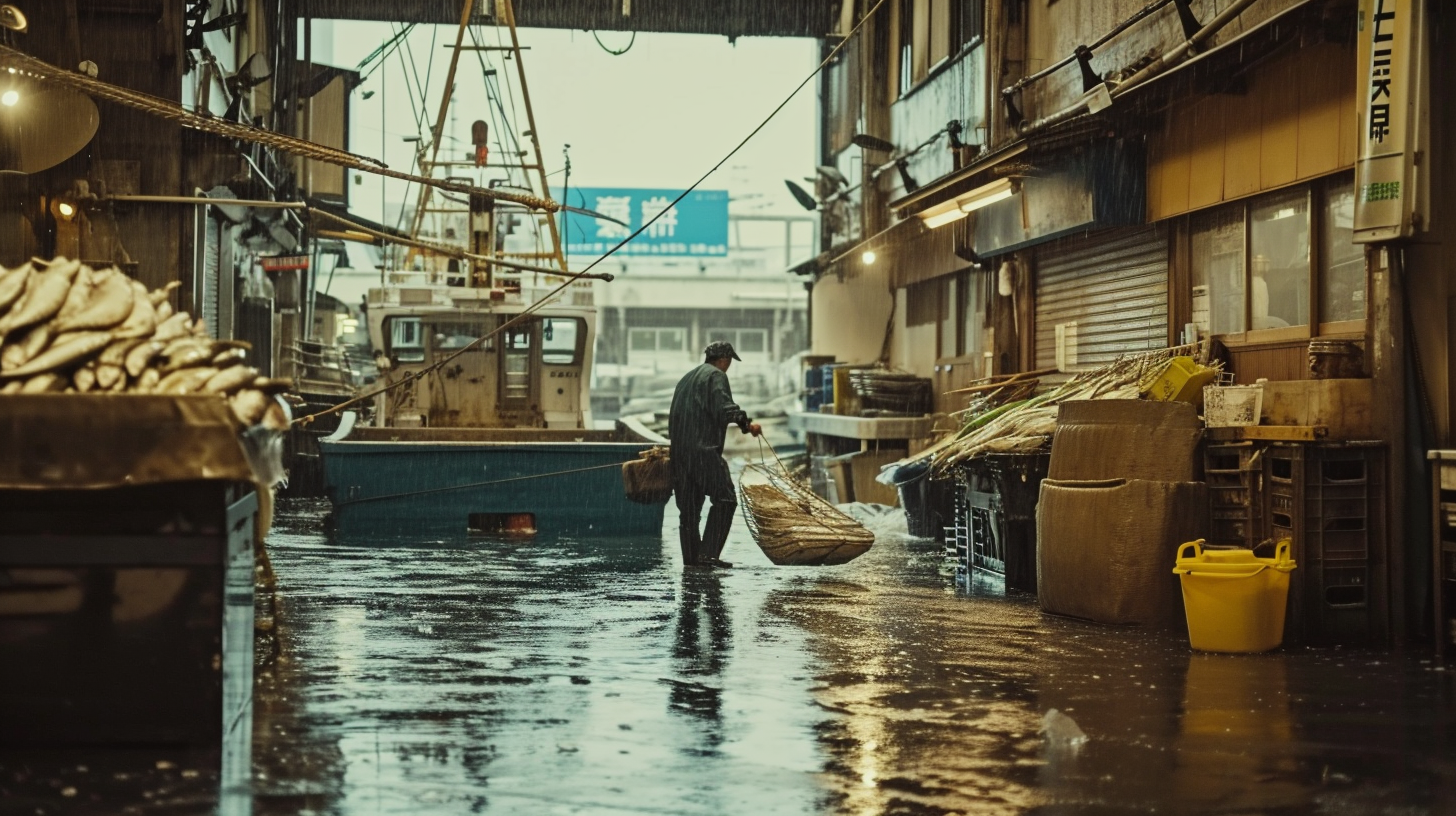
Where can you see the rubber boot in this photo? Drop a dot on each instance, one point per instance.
(715, 534)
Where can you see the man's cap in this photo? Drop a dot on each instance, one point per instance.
(720, 349)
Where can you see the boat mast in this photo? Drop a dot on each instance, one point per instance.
(481, 212)
(510, 14)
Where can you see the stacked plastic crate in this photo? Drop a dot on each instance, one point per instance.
(1329, 499)
(1234, 475)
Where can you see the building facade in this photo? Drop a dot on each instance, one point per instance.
(1049, 185)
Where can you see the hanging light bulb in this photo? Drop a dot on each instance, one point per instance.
(868, 257)
(10, 98)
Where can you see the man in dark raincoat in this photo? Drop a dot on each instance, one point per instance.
(702, 410)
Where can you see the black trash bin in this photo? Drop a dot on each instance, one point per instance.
(925, 500)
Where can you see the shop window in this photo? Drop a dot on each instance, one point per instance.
(973, 305)
(1218, 271)
(1279, 261)
(1255, 267)
(923, 303)
(560, 338)
(1341, 261)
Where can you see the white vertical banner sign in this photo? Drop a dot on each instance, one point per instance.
(1390, 93)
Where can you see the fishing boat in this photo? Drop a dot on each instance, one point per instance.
(482, 418)
(497, 441)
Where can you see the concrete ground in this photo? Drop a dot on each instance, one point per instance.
(597, 677)
(557, 676)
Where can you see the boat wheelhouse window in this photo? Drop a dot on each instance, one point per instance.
(406, 339)
(560, 340)
(457, 334)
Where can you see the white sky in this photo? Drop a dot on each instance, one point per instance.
(660, 115)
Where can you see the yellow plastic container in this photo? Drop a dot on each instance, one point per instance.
(1181, 380)
(1234, 599)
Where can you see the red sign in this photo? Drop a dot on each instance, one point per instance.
(281, 263)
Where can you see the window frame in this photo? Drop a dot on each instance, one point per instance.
(1316, 202)
(578, 344)
(906, 84)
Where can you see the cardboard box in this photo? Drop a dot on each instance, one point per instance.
(864, 467)
(1105, 549)
(1126, 439)
(1342, 406)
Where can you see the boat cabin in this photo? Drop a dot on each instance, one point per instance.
(534, 374)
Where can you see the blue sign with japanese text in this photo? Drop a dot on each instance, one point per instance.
(695, 226)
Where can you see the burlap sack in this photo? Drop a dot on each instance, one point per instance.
(1105, 549)
(648, 480)
(1124, 439)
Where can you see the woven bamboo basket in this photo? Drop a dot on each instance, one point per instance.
(795, 527)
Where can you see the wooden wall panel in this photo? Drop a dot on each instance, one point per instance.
(1349, 135)
(1319, 122)
(1241, 152)
(1285, 361)
(1295, 122)
(1279, 137)
(1176, 166)
(1206, 172)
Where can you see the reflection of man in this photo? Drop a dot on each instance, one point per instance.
(702, 410)
(697, 691)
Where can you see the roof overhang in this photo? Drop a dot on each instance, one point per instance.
(729, 18)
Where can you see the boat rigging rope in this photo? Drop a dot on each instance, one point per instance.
(27, 65)
(447, 250)
(572, 277)
(413, 493)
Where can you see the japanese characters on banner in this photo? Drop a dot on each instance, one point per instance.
(695, 226)
(1389, 91)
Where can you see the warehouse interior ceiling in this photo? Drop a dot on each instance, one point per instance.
(729, 18)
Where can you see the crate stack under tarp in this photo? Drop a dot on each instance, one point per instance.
(127, 564)
(1122, 493)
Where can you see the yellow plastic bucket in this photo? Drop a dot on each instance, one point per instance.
(1234, 599)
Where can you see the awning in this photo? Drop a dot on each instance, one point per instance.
(970, 177)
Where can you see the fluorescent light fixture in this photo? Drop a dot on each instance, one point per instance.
(941, 215)
(986, 195)
(868, 257)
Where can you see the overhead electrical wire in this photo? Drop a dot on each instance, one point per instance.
(573, 277)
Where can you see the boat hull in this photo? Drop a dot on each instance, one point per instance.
(440, 490)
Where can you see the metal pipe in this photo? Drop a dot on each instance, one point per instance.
(234, 202)
(1181, 50)
(1153, 69)
(1065, 61)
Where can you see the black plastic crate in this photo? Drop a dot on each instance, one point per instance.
(996, 507)
(1329, 499)
(1234, 475)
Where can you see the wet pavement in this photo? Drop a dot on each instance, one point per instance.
(558, 676)
(597, 677)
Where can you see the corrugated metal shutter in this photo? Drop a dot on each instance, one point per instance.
(1108, 293)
